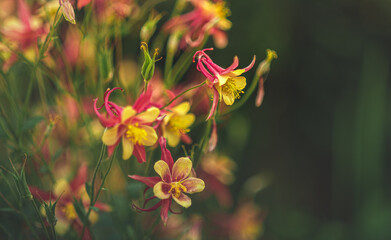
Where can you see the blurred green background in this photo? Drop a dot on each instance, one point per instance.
(322, 134)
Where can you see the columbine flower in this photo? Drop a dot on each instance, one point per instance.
(227, 84)
(176, 123)
(206, 18)
(66, 192)
(175, 180)
(67, 11)
(131, 125)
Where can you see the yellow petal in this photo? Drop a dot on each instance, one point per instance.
(181, 169)
(161, 190)
(161, 168)
(186, 121)
(110, 136)
(222, 79)
(240, 82)
(127, 113)
(237, 72)
(127, 148)
(182, 108)
(229, 98)
(151, 137)
(193, 185)
(172, 138)
(182, 200)
(150, 115)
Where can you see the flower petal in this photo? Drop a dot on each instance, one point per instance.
(127, 148)
(228, 97)
(182, 108)
(149, 181)
(181, 169)
(110, 136)
(162, 168)
(161, 190)
(240, 82)
(172, 138)
(151, 137)
(166, 203)
(193, 185)
(127, 113)
(150, 115)
(183, 200)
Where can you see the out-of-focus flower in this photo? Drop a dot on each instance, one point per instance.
(65, 193)
(175, 180)
(131, 125)
(22, 33)
(226, 84)
(245, 224)
(217, 171)
(262, 71)
(207, 18)
(67, 11)
(176, 123)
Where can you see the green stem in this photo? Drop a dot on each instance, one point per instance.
(40, 218)
(176, 97)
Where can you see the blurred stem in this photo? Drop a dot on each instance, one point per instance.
(203, 143)
(177, 96)
(40, 218)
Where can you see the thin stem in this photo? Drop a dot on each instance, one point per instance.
(179, 95)
(40, 218)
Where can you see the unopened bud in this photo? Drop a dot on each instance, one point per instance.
(149, 27)
(262, 71)
(148, 68)
(67, 11)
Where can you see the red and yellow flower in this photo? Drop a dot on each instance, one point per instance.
(131, 125)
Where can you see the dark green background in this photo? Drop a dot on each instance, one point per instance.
(323, 132)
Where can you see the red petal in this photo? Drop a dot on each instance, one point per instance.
(214, 103)
(166, 154)
(260, 94)
(166, 203)
(149, 181)
(139, 153)
(40, 194)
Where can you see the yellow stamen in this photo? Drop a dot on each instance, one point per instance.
(177, 188)
(136, 134)
(230, 87)
(176, 126)
(270, 55)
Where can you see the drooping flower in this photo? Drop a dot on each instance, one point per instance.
(262, 71)
(67, 11)
(226, 83)
(207, 18)
(130, 124)
(66, 192)
(175, 180)
(176, 123)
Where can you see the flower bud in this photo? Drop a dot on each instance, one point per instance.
(67, 11)
(149, 27)
(148, 67)
(262, 71)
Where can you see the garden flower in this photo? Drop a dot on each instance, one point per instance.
(66, 192)
(67, 11)
(176, 123)
(262, 71)
(175, 180)
(226, 84)
(207, 18)
(131, 125)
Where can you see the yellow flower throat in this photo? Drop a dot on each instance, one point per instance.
(176, 189)
(176, 125)
(230, 87)
(136, 134)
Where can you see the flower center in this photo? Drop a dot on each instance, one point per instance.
(175, 124)
(218, 9)
(176, 189)
(230, 87)
(136, 134)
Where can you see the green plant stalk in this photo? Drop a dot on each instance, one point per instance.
(179, 95)
(40, 218)
(203, 143)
